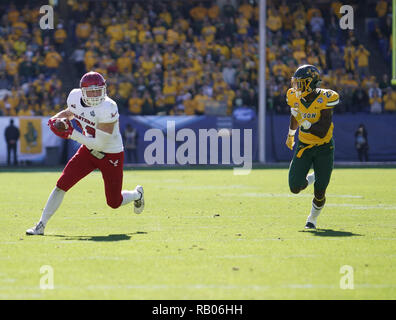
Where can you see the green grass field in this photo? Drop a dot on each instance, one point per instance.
(205, 234)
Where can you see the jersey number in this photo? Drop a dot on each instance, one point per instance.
(90, 130)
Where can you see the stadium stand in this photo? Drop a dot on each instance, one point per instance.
(192, 57)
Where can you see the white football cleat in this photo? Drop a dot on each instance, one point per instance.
(139, 204)
(36, 230)
(311, 222)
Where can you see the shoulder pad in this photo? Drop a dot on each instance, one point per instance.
(75, 93)
(332, 97)
(108, 111)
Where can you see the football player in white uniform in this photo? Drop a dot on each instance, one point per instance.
(101, 147)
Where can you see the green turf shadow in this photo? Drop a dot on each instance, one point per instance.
(331, 233)
(108, 238)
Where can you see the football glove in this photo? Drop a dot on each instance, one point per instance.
(290, 141)
(64, 134)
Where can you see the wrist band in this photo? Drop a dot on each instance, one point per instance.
(292, 132)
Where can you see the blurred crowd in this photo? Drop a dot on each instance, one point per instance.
(187, 57)
(29, 61)
(176, 57)
(305, 33)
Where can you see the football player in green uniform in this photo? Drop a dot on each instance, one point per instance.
(311, 112)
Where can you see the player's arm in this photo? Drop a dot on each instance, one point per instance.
(103, 133)
(64, 114)
(106, 127)
(321, 127)
(292, 131)
(52, 123)
(293, 125)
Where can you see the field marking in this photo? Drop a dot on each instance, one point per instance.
(211, 187)
(260, 194)
(247, 256)
(363, 207)
(124, 258)
(300, 286)
(290, 195)
(7, 296)
(229, 239)
(239, 287)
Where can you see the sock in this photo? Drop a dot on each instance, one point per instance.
(53, 203)
(129, 196)
(311, 178)
(315, 212)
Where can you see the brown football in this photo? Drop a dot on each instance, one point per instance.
(60, 124)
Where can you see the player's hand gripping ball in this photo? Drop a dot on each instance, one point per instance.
(61, 127)
(61, 124)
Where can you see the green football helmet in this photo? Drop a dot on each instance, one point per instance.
(305, 80)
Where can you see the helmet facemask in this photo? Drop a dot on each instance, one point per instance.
(93, 95)
(302, 87)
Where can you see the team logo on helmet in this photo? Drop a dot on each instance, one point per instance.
(305, 80)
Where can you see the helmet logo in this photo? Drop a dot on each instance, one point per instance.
(305, 80)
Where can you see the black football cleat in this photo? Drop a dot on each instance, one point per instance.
(310, 225)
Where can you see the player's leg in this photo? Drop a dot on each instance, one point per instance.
(298, 170)
(112, 171)
(77, 168)
(53, 203)
(323, 167)
(111, 167)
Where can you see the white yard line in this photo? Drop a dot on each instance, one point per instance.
(363, 207)
(247, 256)
(196, 287)
(303, 195)
(289, 195)
(311, 238)
(211, 187)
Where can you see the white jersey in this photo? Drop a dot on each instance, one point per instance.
(89, 117)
